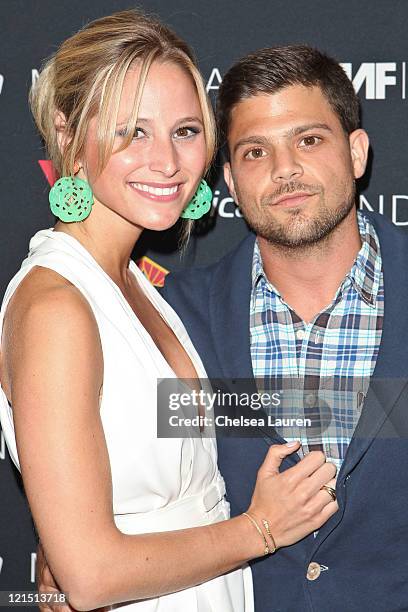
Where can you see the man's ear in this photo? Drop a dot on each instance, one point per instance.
(60, 123)
(229, 180)
(359, 145)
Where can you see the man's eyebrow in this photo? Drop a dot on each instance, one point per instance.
(257, 139)
(296, 131)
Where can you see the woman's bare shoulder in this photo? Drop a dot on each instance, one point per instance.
(48, 312)
(48, 321)
(44, 292)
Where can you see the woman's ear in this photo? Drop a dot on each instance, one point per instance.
(60, 123)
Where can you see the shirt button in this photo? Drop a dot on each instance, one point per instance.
(313, 571)
(300, 334)
(310, 399)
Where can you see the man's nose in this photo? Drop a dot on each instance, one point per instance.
(286, 166)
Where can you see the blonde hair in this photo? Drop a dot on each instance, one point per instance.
(85, 77)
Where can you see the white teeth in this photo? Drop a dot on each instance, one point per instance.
(159, 191)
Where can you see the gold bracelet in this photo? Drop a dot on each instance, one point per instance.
(268, 531)
(259, 530)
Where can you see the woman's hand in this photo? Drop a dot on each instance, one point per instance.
(293, 501)
(47, 585)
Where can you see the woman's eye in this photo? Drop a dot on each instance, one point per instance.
(186, 132)
(256, 153)
(138, 133)
(310, 141)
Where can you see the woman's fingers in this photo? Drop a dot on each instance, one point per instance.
(274, 457)
(322, 476)
(306, 467)
(329, 490)
(327, 511)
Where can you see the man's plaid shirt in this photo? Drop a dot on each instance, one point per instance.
(323, 367)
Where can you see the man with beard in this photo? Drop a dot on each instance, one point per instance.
(298, 307)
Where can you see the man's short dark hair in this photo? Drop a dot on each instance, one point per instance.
(267, 71)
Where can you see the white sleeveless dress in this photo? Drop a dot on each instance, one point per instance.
(158, 484)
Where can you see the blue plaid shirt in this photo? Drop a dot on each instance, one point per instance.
(321, 368)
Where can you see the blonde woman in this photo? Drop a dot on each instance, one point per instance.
(126, 518)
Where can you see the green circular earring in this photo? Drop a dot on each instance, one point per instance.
(71, 199)
(200, 203)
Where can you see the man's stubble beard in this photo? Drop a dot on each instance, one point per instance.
(300, 231)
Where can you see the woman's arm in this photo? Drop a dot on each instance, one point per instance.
(54, 370)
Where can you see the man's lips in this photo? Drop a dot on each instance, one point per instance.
(290, 200)
(161, 192)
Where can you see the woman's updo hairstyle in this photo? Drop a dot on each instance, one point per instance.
(85, 77)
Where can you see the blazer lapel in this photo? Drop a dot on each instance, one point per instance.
(391, 371)
(229, 308)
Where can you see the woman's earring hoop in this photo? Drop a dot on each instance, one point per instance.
(200, 203)
(71, 198)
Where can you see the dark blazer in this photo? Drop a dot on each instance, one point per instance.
(363, 549)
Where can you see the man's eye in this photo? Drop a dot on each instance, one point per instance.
(310, 141)
(256, 153)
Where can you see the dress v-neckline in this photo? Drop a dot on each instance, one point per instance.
(144, 284)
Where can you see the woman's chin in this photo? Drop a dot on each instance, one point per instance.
(162, 223)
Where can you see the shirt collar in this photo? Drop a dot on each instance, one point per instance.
(258, 273)
(366, 271)
(365, 275)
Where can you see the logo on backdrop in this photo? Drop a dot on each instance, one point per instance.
(214, 80)
(49, 171)
(373, 80)
(154, 272)
(398, 205)
(1, 82)
(225, 206)
(32, 566)
(1, 564)
(34, 76)
(2, 446)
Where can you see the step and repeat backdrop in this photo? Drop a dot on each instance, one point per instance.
(367, 37)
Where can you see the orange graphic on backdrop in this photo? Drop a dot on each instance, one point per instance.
(152, 270)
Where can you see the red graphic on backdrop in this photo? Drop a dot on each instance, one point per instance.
(154, 272)
(48, 168)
